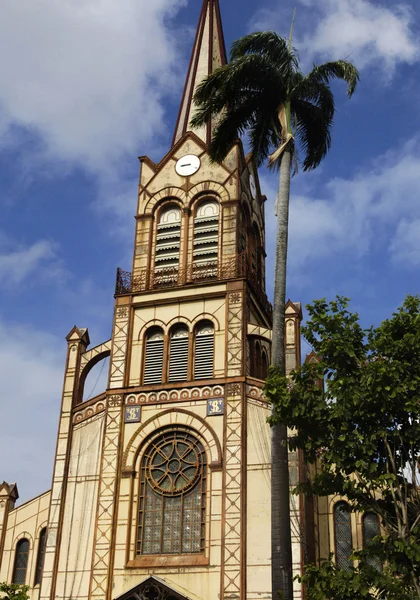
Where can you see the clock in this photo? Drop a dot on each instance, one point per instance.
(188, 165)
(253, 186)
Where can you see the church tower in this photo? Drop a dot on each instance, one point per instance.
(161, 485)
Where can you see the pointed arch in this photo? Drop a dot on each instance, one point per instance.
(343, 535)
(20, 566)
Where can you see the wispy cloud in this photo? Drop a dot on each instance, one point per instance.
(28, 359)
(29, 263)
(80, 74)
(375, 210)
(370, 34)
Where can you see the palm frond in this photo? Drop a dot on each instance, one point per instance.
(314, 124)
(234, 122)
(339, 69)
(246, 75)
(268, 44)
(265, 134)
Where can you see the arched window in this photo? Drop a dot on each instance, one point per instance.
(343, 537)
(41, 556)
(371, 529)
(178, 353)
(206, 234)
(172, 495)
(264, 364)
(21, 562)
(168, 243)
(204, 351)
(258, 365)
(256, 253)
(153, 363)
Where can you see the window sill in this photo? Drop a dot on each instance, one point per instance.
(168, 560)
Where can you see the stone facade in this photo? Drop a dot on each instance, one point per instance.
(101, 525)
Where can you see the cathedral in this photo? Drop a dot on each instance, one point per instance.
(161, 484)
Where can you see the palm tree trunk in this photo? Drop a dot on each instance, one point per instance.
(281, 545)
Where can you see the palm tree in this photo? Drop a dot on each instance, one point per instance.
(263, 93)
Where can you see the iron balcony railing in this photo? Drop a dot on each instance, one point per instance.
(172, 277)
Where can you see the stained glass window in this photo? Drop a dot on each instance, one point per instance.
(21, 562)
(172, 495)
(41, 556)
(343, 538)
(371, 530)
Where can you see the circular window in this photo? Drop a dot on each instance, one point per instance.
(174, 464)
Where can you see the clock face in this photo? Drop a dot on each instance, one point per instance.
(188, 165)
(253, 186)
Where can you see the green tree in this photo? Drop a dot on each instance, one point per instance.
(263, 92)
(362, 430)
(11, 591)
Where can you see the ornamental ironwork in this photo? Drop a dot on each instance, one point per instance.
(170, 277)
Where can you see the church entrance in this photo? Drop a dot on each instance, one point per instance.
(152, 589)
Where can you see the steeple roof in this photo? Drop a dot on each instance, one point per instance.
(209, 53)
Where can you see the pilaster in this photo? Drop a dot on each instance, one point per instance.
(234, 509)
(297, 503)
(8, 496)
(103, 551)
(119, 344)
(77, 340)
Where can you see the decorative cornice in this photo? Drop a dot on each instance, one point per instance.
(175, 395)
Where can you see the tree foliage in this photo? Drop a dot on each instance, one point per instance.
(262, 91)
(355, 412)
(12, 591)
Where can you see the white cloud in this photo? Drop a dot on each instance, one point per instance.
(366, 32)
(405, 246)
(34, 262)
(88, 76)
(31, 378)
(377, 209)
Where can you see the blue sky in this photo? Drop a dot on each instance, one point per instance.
(89, 85)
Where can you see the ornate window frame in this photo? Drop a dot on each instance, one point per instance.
(203, 431)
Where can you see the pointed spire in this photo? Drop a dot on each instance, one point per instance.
(209, 52)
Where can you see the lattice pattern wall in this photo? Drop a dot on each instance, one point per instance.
(107, 500)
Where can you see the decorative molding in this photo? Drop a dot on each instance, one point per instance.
(233, 497)
(102, 555)
(115, 401)
(232, 389)
(86, 357)
(255, 393)
(235, 335)
(119, 348)
(185, 394)
(90, 411)
(262, 332)
(168, 418)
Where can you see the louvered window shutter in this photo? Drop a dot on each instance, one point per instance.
(153, 365)
(167, 245)
(204, 352)
(178, 355)
(206, 234)
(343, 537)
